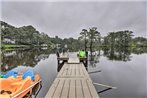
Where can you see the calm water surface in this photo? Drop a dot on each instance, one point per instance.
(125, 70)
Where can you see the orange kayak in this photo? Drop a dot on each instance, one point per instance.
(18, 86)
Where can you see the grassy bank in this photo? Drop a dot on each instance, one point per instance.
(11, 46)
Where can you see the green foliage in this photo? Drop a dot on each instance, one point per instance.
(118, 39)
(72, 44)
(26, 35)
(123, 39)
(139, 42)
(90, 37)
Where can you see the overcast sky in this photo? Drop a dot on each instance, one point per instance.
(67, 19)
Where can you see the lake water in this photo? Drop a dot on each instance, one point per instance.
(126, 70)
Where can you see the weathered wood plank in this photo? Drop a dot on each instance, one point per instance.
(85, 73)
(72, 90)
(79, 67)
(52, 88)
(79, 90)
(69, 69)
(65, 90)
(76, 70)
(65, 71)
(73, 70)
(86, 90)
(73, 61)
(58, 90)
(92, 89)
(81, 71)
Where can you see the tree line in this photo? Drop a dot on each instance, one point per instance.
(26, 35)
(89, 39)
(93, 39)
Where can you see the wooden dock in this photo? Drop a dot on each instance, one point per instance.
(72, 81)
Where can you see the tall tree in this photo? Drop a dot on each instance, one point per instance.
(93, 35)
(84, 35)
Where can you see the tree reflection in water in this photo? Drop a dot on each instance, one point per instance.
(117, 54)
(29, 57)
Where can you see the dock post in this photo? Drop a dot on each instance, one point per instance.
(58, 61)
(61, 59)
(86, 61)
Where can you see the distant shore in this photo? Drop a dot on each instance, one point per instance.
(14, 46)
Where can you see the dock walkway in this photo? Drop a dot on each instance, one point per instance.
(72, 81)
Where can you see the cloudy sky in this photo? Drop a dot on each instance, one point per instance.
(67, 19)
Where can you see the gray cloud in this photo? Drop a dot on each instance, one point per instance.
(67, 19)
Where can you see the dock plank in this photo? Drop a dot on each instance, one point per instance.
(65, 92)
(73, 71)
(52, 89)
(86, 89)
(92, 89)
(59, 89)
(73, 61)
(72, 90)
(69, 69)
(73, 81)
(79, 90)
